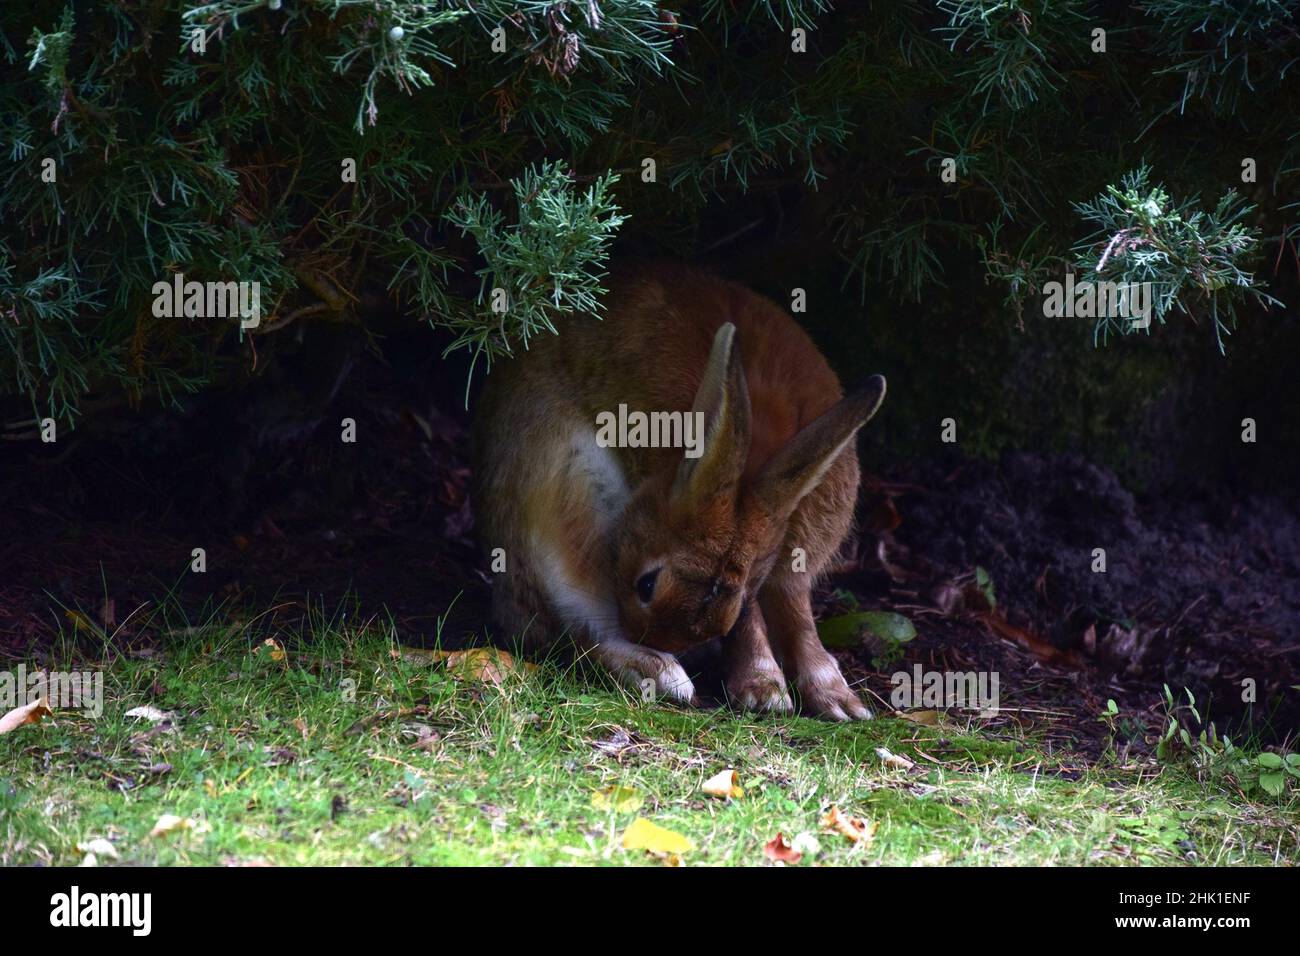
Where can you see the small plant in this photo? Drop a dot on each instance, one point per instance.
(884, 632)
(1214, 755)
(1268, 771)
(1176, 739)
(1109, 717)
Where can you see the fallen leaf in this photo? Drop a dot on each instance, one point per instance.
(170, 823)
(273, 648)
(641, 834)
(855, 828)
(485, 665)
(928, 718)
(619, 798)
(1090, 639)
(847, 630)
(778, 848)
(301, 726)
(996, 621)
(724, 784)
(894, 760)
(27, 714)
(150, 713)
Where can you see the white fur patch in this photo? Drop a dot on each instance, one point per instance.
(632, 664)
(598, 468)
(824, 672)
(595, 468)
(595, 613)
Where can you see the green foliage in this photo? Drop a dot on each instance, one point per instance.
(1224, 50)
(548, 262)
(220, 158)
(1011, 46)
(1215, 757)
(886, 632)
(1193, 259)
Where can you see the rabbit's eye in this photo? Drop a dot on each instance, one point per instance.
(645, 586)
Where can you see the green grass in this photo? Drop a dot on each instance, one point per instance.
(280, 766)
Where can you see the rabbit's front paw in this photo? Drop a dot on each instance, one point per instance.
(644, 670)
(824, 692)
(759, 685)
(669, 677)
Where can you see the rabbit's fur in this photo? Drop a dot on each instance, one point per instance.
(714, 542)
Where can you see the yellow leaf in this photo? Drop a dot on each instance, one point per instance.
(487, 665)
(272, 648)
(644, 835)
(170, 823)
(724, 784)
(622, 799)
(28, 714)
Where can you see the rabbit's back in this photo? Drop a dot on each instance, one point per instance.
(649, 351)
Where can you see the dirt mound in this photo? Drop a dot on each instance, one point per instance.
(1196, 593)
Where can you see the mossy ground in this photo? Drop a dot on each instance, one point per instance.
(348, 750)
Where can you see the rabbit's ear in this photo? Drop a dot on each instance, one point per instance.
(797, 468)
(723, 403)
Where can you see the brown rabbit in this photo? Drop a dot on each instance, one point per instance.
(639, 552)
